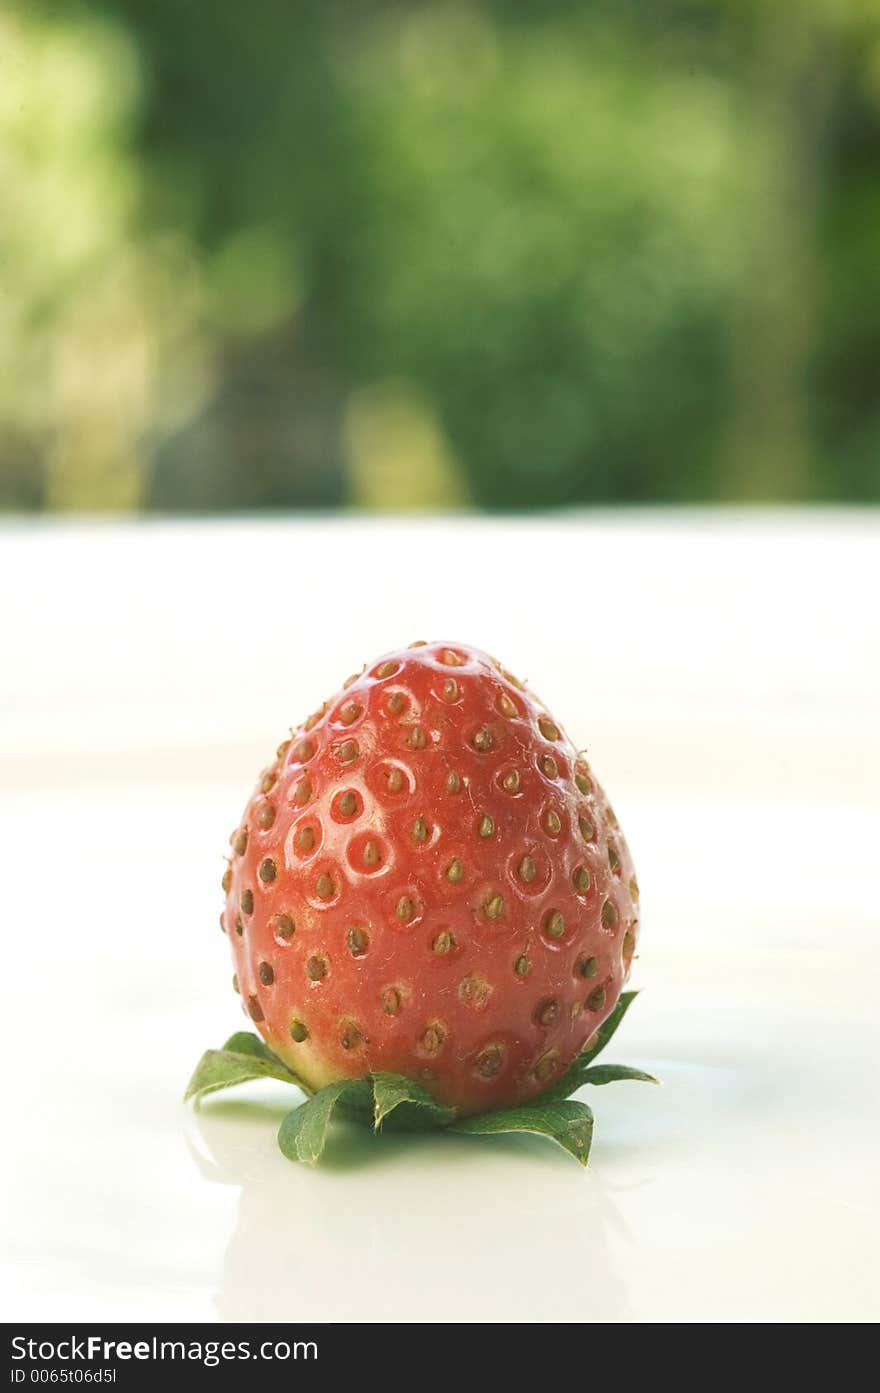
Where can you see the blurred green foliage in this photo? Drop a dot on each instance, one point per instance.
(432, 254)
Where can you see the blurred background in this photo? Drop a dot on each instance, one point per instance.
(438, 256)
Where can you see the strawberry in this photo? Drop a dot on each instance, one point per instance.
(428, 880)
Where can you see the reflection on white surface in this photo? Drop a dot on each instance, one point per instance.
(710, 1202)
(470, 1234)
(731, 710)
(450, 1245)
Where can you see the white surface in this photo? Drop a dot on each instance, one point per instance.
(724, 672)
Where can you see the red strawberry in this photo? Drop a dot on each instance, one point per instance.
(429, 880)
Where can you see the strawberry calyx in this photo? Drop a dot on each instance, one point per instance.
(381, 1100)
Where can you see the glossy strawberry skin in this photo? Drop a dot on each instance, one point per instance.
(428, 880)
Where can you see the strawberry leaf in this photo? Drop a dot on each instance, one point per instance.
(245, 1042)
(570, 1124)
(613, 1073)
(581, 1072)
(418, 1110)
(575, 1076)
(224, 1068)
(605, 1031)
(405, 1105)
(303, 1133)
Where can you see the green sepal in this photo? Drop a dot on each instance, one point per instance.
(614, 1073)
(245, 1042)
(406, 1105)
(608, 1028)
(418, 1111)
(242, 1059)
(575, 1075)
(303, 1133)
(566, 1122)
